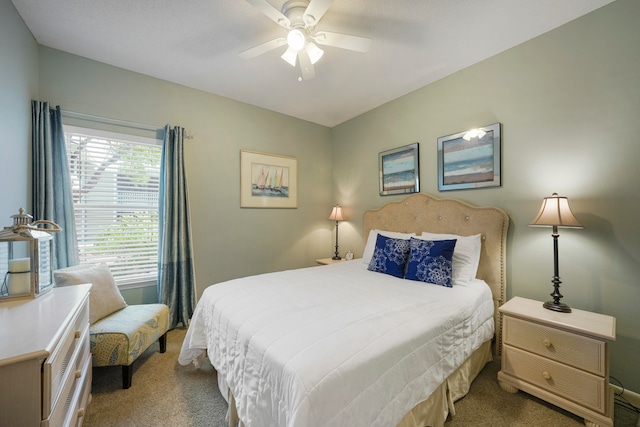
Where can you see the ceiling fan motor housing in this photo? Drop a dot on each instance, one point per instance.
(294, 10)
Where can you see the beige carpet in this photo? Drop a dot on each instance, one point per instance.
(163, 393)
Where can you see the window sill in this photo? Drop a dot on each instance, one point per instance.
(136, 285)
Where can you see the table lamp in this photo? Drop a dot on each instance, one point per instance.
(555, 212)
(337, 216)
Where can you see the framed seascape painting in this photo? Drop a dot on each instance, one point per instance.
(268, 180)
(470, 159)
(399, 170)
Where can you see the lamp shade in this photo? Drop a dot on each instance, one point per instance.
(336, 214)
(555, 212)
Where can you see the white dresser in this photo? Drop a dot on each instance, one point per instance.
(45, 359)
(562, 358)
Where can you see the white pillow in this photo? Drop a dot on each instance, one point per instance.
(373, 236)
(466, 255)
(104, 296)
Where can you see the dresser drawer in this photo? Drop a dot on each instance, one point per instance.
(63, 361)
(573, 384)
(575, 350)
(69, 393)
(84, 397)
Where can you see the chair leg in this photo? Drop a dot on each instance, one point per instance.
(127, 375)
(163, 343)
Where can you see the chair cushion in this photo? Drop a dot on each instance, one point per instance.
(104, 297)
(120, 338)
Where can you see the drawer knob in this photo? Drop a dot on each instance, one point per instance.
(546, 342)
(546, 375)
(78, 373)
(80, 412)
(77, 335)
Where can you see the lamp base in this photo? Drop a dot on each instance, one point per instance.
(336, 258)
(560, 307)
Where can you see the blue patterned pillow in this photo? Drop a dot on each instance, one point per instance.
(389, 256)
(431, 261)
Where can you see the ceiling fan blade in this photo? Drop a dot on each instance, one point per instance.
(263, 48)
(306, 67)
(315, 11)
(343, 41)
(271, 12)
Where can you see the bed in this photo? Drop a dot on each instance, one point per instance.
(343, 345)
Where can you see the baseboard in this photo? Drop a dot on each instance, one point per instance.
(631, 396)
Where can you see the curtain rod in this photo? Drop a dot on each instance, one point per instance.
(75, 115)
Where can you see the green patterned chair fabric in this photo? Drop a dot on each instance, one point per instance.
(121, 337)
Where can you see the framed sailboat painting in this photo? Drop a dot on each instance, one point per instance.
(268, 180)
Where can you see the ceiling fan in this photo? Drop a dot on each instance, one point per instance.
(300, 18)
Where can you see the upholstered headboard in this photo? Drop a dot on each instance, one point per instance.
(422, 212)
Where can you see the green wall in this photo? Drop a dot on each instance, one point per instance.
(229, 242)
(18, 85)
(569, 103)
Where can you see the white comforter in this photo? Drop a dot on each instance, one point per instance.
(335, 345)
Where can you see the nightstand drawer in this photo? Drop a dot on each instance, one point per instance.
(576, 350)
(581, 387)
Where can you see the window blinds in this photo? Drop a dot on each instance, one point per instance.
(115, 180)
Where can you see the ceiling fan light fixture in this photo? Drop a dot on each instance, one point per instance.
(315, 53)
(290, 56)
(296, 39)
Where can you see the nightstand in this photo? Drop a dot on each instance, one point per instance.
(326, 261)
(562, 358)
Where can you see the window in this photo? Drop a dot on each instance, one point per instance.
(115, 181)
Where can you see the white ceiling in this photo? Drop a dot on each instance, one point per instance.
(196, 43)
